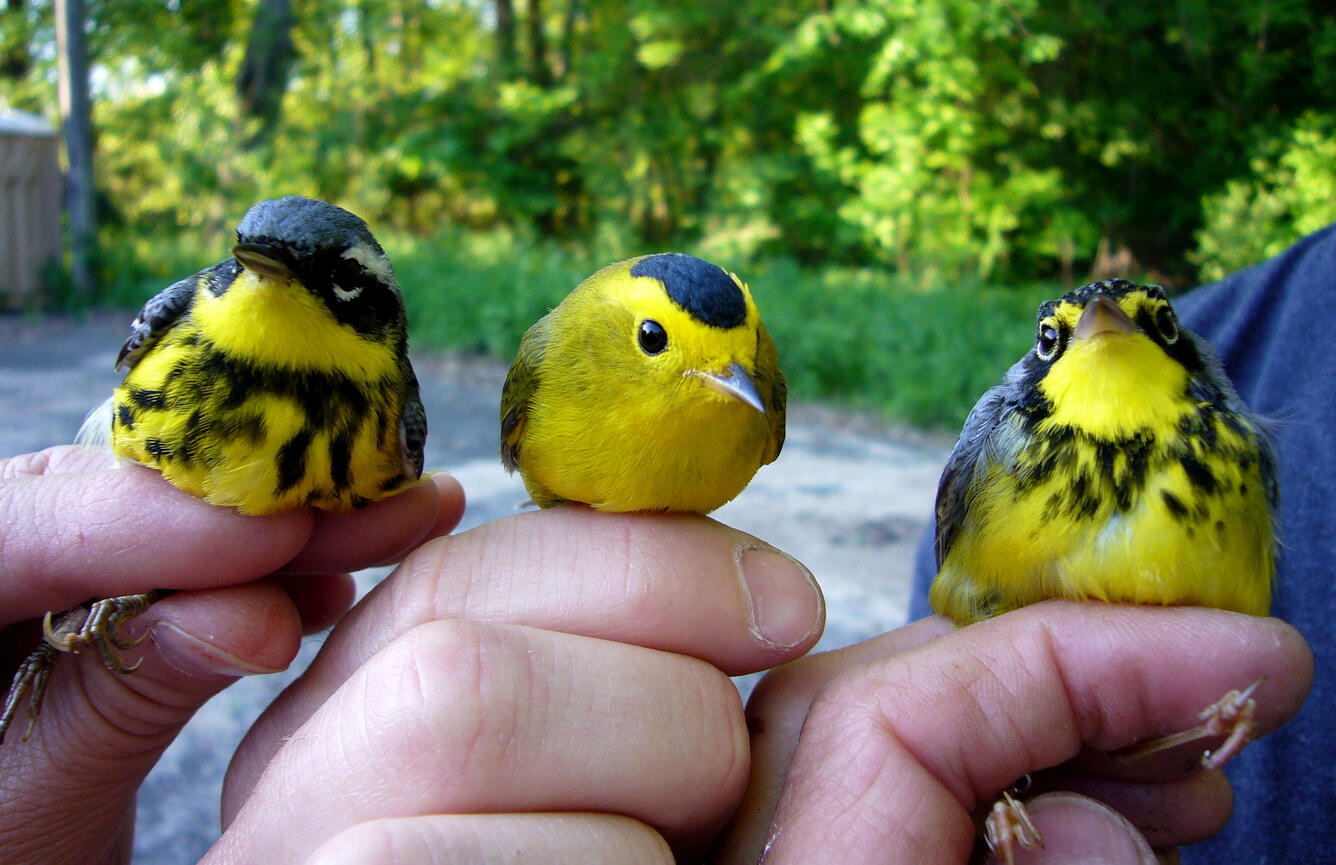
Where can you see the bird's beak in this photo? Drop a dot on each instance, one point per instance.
(1100, 316)
(733, 381)
(262, 259)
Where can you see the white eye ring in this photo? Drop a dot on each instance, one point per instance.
(346, 295)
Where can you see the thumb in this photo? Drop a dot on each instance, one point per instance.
(1076, 828)
(101, 732)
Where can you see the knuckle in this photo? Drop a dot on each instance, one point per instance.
(446, 678)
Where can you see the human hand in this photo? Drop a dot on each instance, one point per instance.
(546, 686)
(73, 526)
(884, 751)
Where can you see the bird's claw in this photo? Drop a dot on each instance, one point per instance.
(1007, 825)
(30, 679)
(99, 626)
(1234, 714)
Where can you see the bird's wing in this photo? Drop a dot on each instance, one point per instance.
(1217, 379)
(166, 307)
(521, 383)
(953, 490)
(412, 425)
(774, 392)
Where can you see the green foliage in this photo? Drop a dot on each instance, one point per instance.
(876, 341)
(943, 139)
(1289, 191)
(881, 160)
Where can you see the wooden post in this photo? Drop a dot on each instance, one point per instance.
(77, 126)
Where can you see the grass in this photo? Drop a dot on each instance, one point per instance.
(855, 336)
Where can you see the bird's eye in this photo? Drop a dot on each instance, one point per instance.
(346, 294)
(653, 338)
(1167, 324)
(1046, 341)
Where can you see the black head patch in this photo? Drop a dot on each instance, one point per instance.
(703, 289)
(1114, 289)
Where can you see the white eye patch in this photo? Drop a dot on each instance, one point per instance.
(372, 262)
(342, 294)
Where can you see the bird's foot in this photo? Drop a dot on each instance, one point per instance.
(97, 625)
(30, 679)
(1007, 825)
(1233, 715)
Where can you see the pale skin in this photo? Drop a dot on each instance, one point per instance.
(554, 683)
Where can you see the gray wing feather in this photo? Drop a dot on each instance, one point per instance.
(412, 426)
(166, 307)
(1214, 373)
(953, 490)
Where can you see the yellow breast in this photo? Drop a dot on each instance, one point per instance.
(260, 400)
(1126, 492)
(689, 450)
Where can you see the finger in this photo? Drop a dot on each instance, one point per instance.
(101, 732)
(1166, 813)
(63, 459)
(517, 839)
(457, 716)
(678, 582)
(382, 532)
(776, 713)
(320, 599)
(1080, 829)
(71, 535)
(939, 729)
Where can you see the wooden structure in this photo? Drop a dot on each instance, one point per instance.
(29, 206)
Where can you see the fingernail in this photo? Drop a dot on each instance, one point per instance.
(786, 604)
(197, 657)
(1077, 828)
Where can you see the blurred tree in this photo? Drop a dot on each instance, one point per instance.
(15, 56)
(947, 139)
(76, 125)
(506, 54)
(263, 76)
(1288, 192)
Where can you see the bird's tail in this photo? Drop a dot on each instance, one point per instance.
(95, 431)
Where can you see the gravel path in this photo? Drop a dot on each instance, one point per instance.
(847, 497)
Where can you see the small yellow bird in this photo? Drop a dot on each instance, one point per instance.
(652, 387)
(1116, 463)
(276, 379)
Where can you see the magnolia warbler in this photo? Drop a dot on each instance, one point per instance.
(276, 379)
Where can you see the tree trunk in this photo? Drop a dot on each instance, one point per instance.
(263, 77)
(539, 70)
(76, 123)
(505, 39)
(567, 56)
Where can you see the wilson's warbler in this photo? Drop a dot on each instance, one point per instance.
(652, 387)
